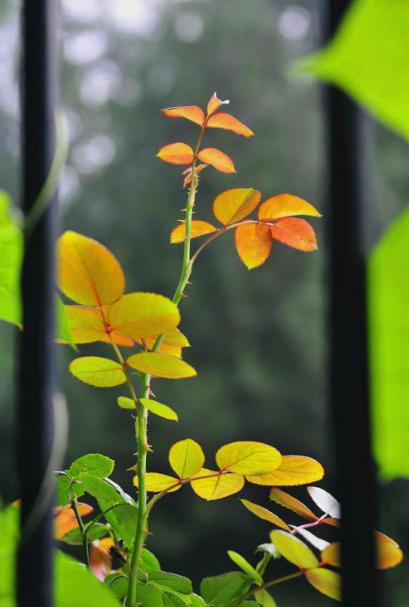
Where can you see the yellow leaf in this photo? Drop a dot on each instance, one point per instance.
(87, 272)
(161, 365)
(198, 228)
(265, 514)
(191, 112)
(186, 458)
(285, 205)
(87, 327)
(172, 343)
(176, 153)
(253, 244)
(156, 482)
(98, 371)
(217, 159)
(248, 457)
(325, 581)
(229, 123)
(234, 205)
(293, 470)
(216, 487)
(143, 315)
(292, 503)
(159, 409)
(214, 104)
(389, 553)
(293, 549)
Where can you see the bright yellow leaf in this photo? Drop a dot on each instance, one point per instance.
(191, 112)
(248, 457)
(292, 503)
(293, 549)
(285, 205)
(293, 470)
(265, 514)
(325, 581)
(234, 205)
(155, 482)
(98, 371)
(216, 487)
(221, 120)
(161, 365)
(217, 159)
(87, 327)
(143, 315)
(87, 272)
(198, 228)
(296, 233)
(159, 409)
(253, 244)
(186, 458)
(176, 153)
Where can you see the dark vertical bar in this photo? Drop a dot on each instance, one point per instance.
(349, 377)
(36, 373)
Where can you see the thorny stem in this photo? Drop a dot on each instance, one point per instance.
(74, 506)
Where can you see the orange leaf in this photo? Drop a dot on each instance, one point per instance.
(234, 205)
(215, 103)
(191, 112)
(296, 233)
(285, 205)
(176, 153)
(292, 503)
(65, 519)
(198, 228)
(389, 553)
(100, 561)
(253, 244)
(88, 273)
(228, 122)
(265, 514)
(219, 160)
(87, 327)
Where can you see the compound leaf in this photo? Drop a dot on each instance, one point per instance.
(186, 458)
(161, 365)
(293, 549)
(248, 457)
(285, 205)
(296, 233)
(217, 159)
(293, 470)
(253, 244)
(194, 113)
(218, 486)
(235, 204)
(176, 153)
(198, 228)
(222, 120)
(98, 371)
(265, 514)
(325, 581)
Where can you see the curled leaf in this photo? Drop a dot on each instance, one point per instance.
(216, 487)
(285, 205)
(325, 501)
(296, 233)
(248, 457)
(215, 103)
(253, 244)
(98, 371)
(293, 470)
(293, 549)
(186, 458)
(176, 153)
(217, 159)
(194, 113)
(161, 365)
(228, 122)
(235, 204)
(198, 228)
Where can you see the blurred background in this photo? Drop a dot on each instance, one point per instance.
(258, 338)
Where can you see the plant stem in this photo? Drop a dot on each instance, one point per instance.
(279, 580)
(74, 506)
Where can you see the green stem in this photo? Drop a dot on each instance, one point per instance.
(74, 506)
(279, 580)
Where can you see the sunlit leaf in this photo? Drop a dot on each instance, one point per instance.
(139, 315)
(87, 326)
(65, 519)
(191, 112)
(248, 457)
(228, 122)
(264, 598)
(325, 501)
(285, 205)
(245, 566)
(176, 153)
(293, 470)
(325, 581)
(186, 458)
(312, 539)
(293, 549)
(172, 343)
(296, 233)
(161, 365)
(265, 514)
(156, 482)
(125, 403)
(98, 371)
(87, 272)
(234, 205)
(100, 561)
(253, 244)
(215, 103)
(216, 487)
(389, 553)
(292, 503)
(198, 228)
(217, 159)
(159, 409)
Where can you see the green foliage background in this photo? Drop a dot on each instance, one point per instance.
(258, 339)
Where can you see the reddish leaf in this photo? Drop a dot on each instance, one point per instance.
(176, 153)
(191, 112)
(228, 122)
(100, 561)
(198, 228)
(296, 233)
(253, 244)
(65, 519)
(214, 104)
(188, 173)
(219, 160)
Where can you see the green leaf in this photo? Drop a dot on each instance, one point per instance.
(96, 531)
(149, 562)
(388, 337)
(125, 403)
(172, 600)
(62, 487)
(118, 584)
(11, 255)
(264, 598)
(222, 589)
(245, 566)
(159, 409)
(196, 601)
(149, 595)
(171, 581)
(368, 58)
(94, 464)
(63, 325)
(98, 371)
